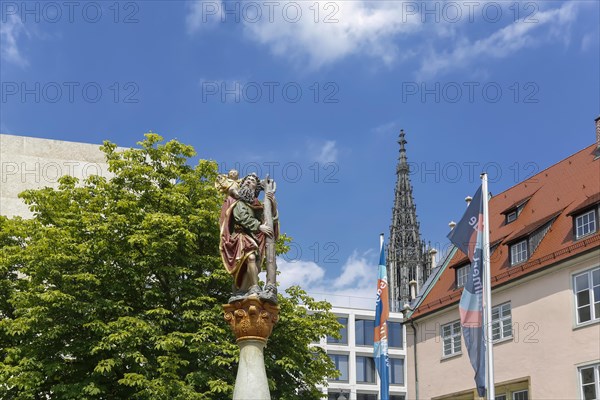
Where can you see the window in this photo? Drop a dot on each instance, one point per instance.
(451, 338)
(462, 273)
(511, 216)
(500, 397)
(365, 329)
(501, 322)
(587, 295)
(589, 379)
(518, 252)
(365, 369)
(397, 371)
(343, 332)
(395, 336)
(341, 364)
(366, 396)
(585, 224)
(397, 397)
(337, 395)
(520, 395)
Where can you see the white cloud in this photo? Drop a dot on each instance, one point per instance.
(386, 129)
(10, 30)
(316, 33)
(323, 152)
(354, 287)
(387, 31)
(503, 42)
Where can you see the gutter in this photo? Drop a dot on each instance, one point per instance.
(412, 323)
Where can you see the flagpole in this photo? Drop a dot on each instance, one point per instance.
(489, 354)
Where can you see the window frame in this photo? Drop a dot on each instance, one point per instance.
(392, 337)
(513, 260)
(591, 221)
(366, 366)
(372, 332)
(513, 394)
(391, 380)
(455, 337)
(339, 379)
(596, 368)
(592, 300)
(344, 331)
(508, 217)
(465, 275)
(501, 320)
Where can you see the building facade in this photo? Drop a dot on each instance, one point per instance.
(545, 275)
(33, 163)
(353, 357)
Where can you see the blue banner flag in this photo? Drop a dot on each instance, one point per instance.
(468, 237)
(382, 312)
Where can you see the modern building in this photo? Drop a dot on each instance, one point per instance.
(408, 257)
(33, 163)
(353, 357)
(545, 276)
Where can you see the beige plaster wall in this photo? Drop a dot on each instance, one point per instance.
(31, 163)
(546, 347)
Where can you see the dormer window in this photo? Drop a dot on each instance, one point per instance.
(585, 224)
(518, 252)
(462, 273)
(512, 213)
(510, 217)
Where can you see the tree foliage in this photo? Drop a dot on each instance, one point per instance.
(114, 290)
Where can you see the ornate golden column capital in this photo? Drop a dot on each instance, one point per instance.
(251, 318)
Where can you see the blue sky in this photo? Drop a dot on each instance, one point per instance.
(316, 93)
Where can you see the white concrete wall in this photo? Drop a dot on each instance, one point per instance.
(547, 347)
(32, 163)
(351, 387)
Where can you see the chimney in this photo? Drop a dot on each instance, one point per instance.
(597, 137)
(413, 289)
(432, 252)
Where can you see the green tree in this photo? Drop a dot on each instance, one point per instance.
(114, 290)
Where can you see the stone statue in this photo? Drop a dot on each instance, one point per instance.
(248, 230)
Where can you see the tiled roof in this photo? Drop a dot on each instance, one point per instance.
(555, 193)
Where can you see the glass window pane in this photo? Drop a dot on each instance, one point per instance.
(583, 298)
(596, 277)
(507, 330)
(397, 371)
(581, 282)
(596, 294)
(589, 392)
(584, 314)
(446, 330)
(522, 395)
(495, 313)
(587, 375)
(343, 332)
(360, 332)
(395, 338)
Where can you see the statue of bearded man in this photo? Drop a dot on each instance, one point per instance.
(244, 234)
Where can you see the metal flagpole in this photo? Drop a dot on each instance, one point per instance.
(489, 354)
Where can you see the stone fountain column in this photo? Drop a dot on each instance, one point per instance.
(252, 321)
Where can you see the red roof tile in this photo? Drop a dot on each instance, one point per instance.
(555, 192)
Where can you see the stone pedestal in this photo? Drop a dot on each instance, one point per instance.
(252, 322)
